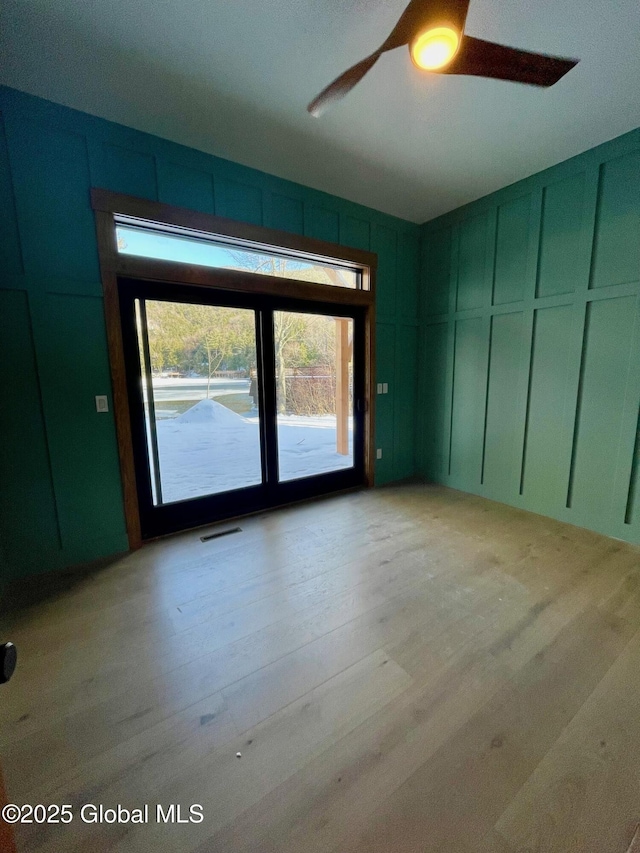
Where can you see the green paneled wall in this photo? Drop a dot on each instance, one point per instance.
(549, 422)
(529, 351)
(468, 400)
(59, 475)
(26, 496)
(504, 411)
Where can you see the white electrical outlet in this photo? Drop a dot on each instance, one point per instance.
(102, 403)
(385, 387)
(379, 453)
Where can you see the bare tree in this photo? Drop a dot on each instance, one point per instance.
(199, 336)
(287, 327)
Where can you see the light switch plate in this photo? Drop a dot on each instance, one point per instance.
(379, 387)
(385, 387)
(379, 453)
(102, 403)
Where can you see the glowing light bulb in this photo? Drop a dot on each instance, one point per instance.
(435, 48)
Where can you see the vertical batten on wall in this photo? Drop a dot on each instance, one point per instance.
(557, 319)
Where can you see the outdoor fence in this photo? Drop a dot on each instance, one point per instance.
(308, 394)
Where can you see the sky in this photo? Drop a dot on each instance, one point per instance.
(150, 244)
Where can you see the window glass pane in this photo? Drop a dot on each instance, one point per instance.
(172, 247)
(204, 401)
(314, 393)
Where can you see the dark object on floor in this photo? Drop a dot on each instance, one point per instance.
(220, 533)
(8, 661)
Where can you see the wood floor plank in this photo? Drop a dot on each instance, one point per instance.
(131, 769)
(299, 590)
(458, 795)
(408, 669)
(89, 729)
(585, 793)
(270, 753)
(247, 618)
(344, 788)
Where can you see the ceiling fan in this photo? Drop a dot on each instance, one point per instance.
(434, 33)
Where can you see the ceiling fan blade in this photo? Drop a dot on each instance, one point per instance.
(417, 14)
(420, 13)
(481, 58)
(342, 84)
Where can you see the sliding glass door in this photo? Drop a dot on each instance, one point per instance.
(238, 403)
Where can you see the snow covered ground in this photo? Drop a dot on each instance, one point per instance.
(211, 449)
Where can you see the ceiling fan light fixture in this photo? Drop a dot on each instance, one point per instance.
(434, 48)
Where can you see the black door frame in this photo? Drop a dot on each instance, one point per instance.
(167, 518)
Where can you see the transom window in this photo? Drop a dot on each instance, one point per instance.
(223, 253)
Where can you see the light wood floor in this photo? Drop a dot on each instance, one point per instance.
(407, 670)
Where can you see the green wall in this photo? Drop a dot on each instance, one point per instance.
(529, 353)
(60, 492)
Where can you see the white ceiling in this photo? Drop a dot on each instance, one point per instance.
(233, 78)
